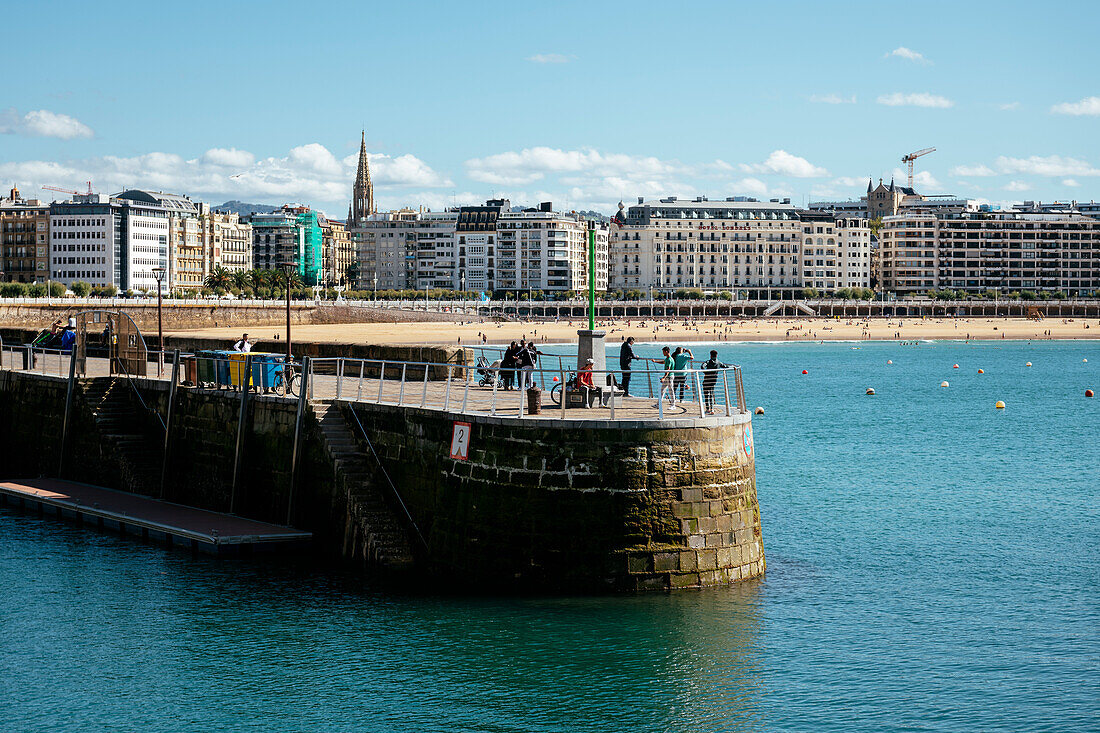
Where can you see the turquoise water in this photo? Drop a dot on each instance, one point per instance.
(932, 566)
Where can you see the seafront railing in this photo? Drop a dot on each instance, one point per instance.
(565, 393)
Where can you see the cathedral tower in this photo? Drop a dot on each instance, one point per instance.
(362, 193)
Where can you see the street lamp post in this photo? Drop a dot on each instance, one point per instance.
(287, 268)
(158, 273)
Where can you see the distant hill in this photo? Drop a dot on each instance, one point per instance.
(240, 207)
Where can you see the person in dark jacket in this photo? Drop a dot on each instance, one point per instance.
(508, 365)
(626, 356)
(710, 379)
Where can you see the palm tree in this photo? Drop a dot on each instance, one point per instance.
(219, 277)
(240, 279)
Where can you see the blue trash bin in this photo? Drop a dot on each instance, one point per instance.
(221, 367)
(264, 368)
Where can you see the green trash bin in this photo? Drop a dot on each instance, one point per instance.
(207, 373)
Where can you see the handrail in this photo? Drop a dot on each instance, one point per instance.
(707, 389)
(133, 386)
(393, 489)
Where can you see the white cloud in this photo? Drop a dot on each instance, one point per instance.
(228, 157)
(1009, 106)
(1088, 106)
(1070, 182)
(1017, 186)
(923, 181)
(750, 186)
(532, 164)
(549, 58)
(832, 99)
(783, 163)
(308, 173)
(973, 170)
(848, 181)
(908, 54)
(42, 123)
(1052, 165)
(916, 99)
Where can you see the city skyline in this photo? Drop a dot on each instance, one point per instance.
(583, 107)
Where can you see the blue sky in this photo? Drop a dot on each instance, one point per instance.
(578, 103)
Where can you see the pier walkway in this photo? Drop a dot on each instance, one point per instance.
(132, 514)
(466, 389)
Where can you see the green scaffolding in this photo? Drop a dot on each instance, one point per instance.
(310, 261)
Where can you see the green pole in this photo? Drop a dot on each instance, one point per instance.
(591, 278)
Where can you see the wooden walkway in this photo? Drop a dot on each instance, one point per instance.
(173, 524)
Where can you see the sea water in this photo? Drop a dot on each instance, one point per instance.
(933, 565)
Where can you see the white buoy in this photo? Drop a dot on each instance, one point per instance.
(870, 390)
(944, 384)
(889, 361)
(759, 411)
(1028, 364)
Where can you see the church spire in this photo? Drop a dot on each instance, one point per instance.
(362, 192)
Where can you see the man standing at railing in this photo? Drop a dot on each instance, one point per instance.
(710, 379)
(627, 355)
(682, 359)
(244, 345)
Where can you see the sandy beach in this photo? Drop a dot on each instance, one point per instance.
(650, 330)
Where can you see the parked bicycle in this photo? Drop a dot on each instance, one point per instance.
(287, 379)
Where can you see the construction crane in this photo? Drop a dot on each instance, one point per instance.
(908, 160)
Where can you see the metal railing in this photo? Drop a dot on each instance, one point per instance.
(493, 391)
(567, 393)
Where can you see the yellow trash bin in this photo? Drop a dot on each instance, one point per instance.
(236, 369)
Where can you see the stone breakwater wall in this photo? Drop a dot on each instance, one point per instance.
(577, 506)
(562, 506)
(183, 317)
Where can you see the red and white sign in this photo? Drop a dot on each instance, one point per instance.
(460, 441)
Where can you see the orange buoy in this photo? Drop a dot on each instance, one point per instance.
(1000, 405)
(1028, 364)
(981, 371)
(555, 379)
(805, 372)
(955, 367)
(1088, 393)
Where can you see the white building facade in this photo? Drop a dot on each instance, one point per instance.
(738, 244)
(982, 251)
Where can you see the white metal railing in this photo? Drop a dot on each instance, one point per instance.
(491, 390)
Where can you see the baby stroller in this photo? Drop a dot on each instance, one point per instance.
(489, 373)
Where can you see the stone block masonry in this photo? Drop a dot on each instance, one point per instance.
(577, 506)
(562, 506)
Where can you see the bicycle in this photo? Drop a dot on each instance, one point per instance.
(287, 380)
(556, 390)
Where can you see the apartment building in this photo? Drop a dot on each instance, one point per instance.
(739, 244)
(227, 240)
(24, 239)
(338, 251)
(836, 251)
(292, 234)
(990, 250)
(541, 249)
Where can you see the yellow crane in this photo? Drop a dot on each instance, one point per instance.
(908, 160)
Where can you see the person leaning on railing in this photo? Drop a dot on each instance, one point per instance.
(682, 359)
(710, 379)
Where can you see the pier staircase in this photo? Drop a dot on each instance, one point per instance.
(123, 427)
(374, 533)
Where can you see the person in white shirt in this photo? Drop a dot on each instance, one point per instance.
(243, 345)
